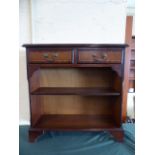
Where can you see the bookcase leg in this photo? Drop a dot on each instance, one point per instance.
(34, 134)
(118, 135)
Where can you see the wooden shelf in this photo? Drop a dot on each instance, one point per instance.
(76, 91)
(75, 122)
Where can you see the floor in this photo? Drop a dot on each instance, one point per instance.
(78, 143)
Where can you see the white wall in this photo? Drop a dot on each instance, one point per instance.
(25, 37)
(67, 21)
(131, 12)
(86, 21)
(133, 26)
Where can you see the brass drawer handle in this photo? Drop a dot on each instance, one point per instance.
(45, 55)
(47, 58)
(94, 55)
(104, 56)
(55, 55)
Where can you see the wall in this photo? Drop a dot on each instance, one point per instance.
(131, 12)
(67, 21)
(87, 21)
(25, 37)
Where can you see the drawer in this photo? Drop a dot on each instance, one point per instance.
(99, 56)
(50, 56)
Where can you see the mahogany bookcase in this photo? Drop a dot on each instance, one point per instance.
(75, 87)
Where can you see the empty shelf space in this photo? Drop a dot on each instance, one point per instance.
(75, 122)
(76, 91)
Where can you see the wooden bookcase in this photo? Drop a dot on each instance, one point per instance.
(75, 87)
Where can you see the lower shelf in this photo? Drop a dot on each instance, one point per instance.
(76, 91)
(75, 122)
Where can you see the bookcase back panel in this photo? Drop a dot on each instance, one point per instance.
(74, 104)
(85, 77)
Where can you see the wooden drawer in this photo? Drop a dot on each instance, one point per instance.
(50, 56)
(99, 56)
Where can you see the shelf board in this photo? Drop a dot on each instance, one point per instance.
(75, 91)
(75, 122)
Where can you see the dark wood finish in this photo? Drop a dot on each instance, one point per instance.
(92, 89)
(118, 134)
(75, 122)
(93, 55)
(36, 109)
(129, 71)
(47, 46)
(50, 56)
(76, 91)
(34, 134)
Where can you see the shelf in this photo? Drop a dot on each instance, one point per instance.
(75, 122)
(75, 91)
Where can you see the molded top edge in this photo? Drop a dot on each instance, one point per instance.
(74, 45)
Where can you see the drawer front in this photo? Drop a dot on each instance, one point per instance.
(50, 56)
(99, 56)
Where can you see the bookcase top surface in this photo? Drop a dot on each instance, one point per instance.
(75, 45)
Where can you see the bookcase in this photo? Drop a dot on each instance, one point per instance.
(75, 87)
